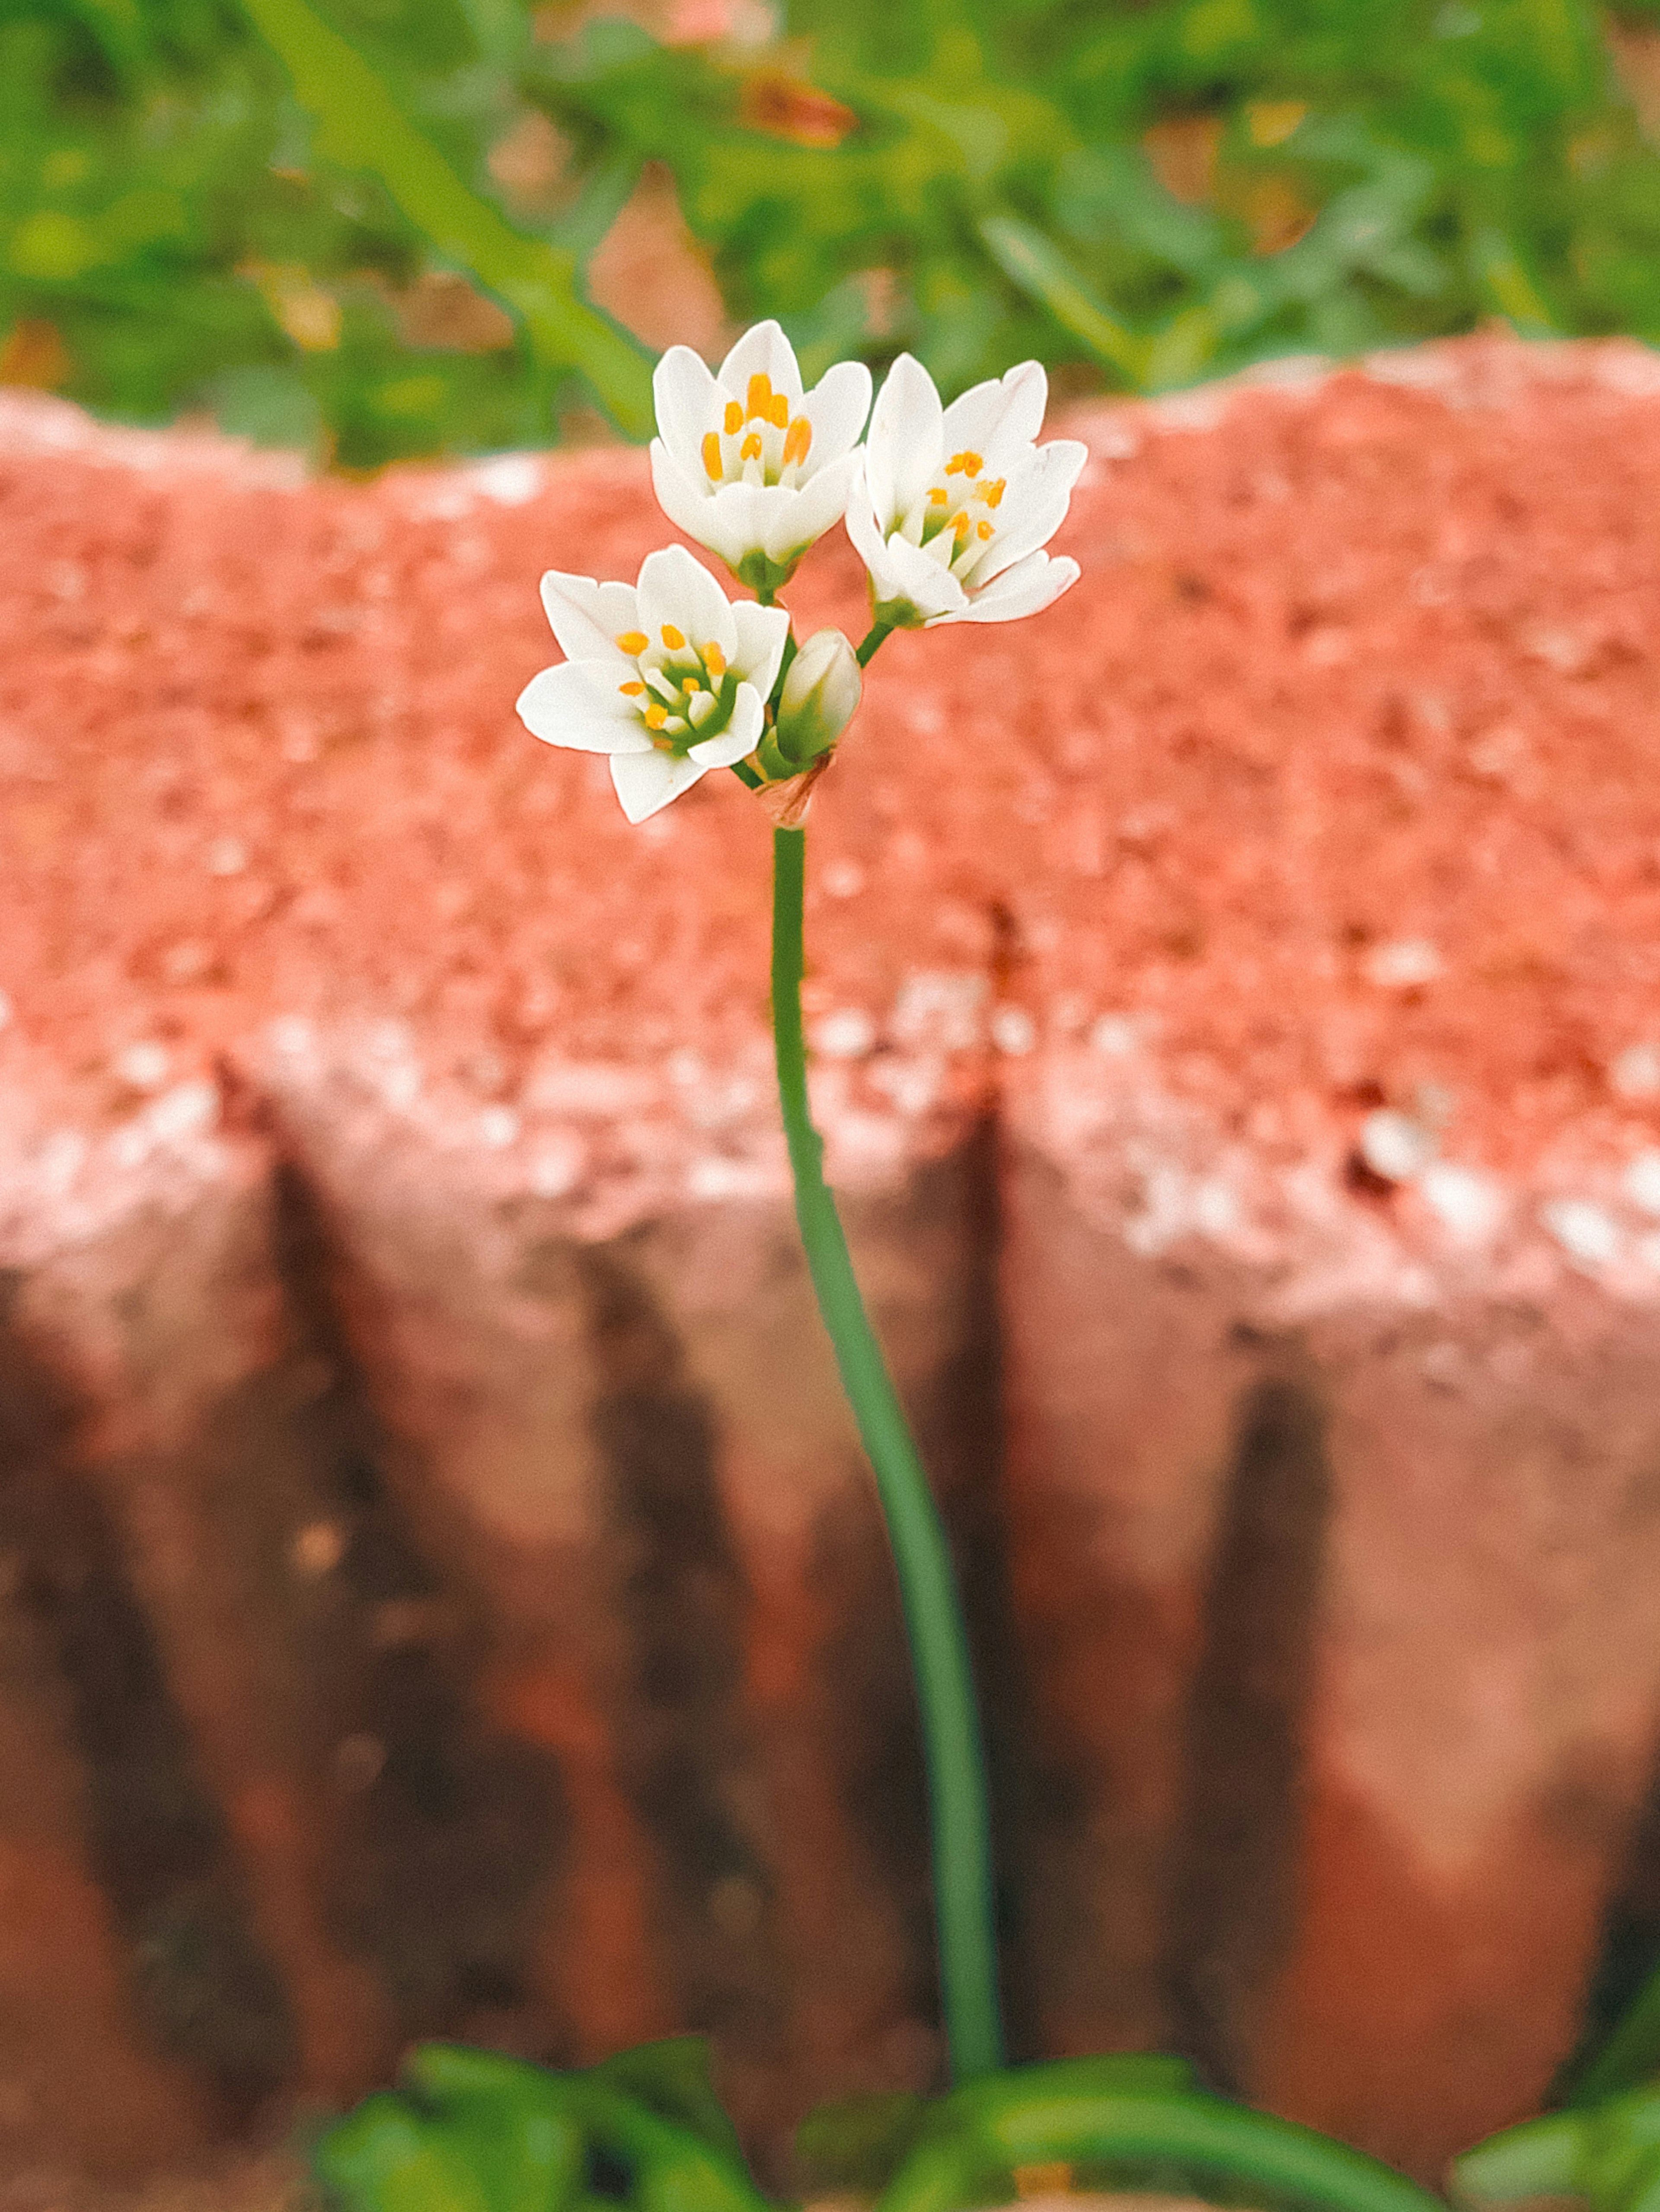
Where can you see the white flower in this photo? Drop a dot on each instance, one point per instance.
(667, 676)
(820, 696)
(746, 464)
(955, 503)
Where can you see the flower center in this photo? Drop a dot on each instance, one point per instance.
(957, 523)
(682, 693)
(759, 441)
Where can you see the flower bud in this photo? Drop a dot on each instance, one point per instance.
(820, 696)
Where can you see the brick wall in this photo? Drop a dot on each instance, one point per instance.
(440, 1591)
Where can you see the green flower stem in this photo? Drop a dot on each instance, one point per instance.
(362, 126)
(873, 637)
(1085, 2113)
(928, 1583)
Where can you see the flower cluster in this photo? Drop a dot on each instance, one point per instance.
(950, 509)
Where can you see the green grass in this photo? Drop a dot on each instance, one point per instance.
(186, 227)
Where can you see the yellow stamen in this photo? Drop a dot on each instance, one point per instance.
(968, 465)
(715, 661)
(734, 418)
(631, 690)
(672, 637)
(690, 684)
(982, 530)
(760, 399)
(797, 440)
(656, 716)
(960, 527)
(713, 466)
(992, 492)
(939, 498)
(779, 413)
(750, 448)
(633, 640)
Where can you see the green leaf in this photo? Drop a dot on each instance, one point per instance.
(362, 126)
(1042, 270)
(386, 2158)
(858, 2144)
(672, 2079)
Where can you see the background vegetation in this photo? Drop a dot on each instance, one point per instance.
(1142, 192)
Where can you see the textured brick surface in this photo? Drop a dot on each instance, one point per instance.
(443, 1595)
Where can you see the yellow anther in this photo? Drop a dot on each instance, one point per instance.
(992, 492)
(961, 525)
(672, 637)
(750, 448)
(939, 498)
(982, 530)
(656, 716)
(968, 465)
(797, 440)
(713, 466)
(633, 640)
(631, 690)
(715, 661)
(760, 398)
(734, 418)
(691, 684)
(779, 413)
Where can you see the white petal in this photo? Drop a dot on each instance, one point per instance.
(676, 591)
(867, 539)
(762, 350)
(1035, 505)
(761, 634)
(686, 501)
(917, 576)
(793, 521)
(904, 449)
(690, 404)
(646, 781)
(588, 618)
(1006, 411)
(578, 704)
(837, 407)
(739, 737)
(1026, 589)
(737, 523)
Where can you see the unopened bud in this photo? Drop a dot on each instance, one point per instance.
(820, 696)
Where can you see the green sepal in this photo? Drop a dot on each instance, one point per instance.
(778, 766)
(765, 575)
(896, 614)
(774, 767)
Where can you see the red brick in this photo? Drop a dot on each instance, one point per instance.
(1310, 1595)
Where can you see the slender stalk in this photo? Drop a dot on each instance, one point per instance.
(964, 1913)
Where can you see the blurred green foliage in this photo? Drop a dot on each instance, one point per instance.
(1144, 191)
(469, 2130)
